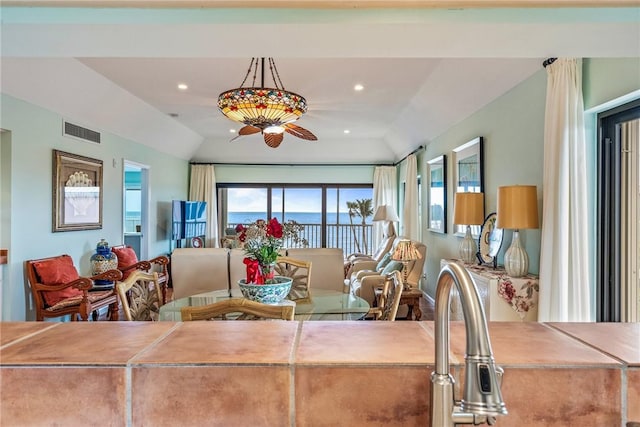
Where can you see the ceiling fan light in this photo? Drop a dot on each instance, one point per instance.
(260, 106)
(273, 129)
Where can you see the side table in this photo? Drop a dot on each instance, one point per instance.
(410, 297)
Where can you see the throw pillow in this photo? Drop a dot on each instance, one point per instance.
(384, 261)
(57, 271)
(126, 258)
(391, 267)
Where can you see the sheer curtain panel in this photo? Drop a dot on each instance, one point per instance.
(203, 188)
(385, 192)
(564, 278)
(410, 227)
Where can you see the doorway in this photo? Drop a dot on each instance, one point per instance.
(618, 281)
(136, 207)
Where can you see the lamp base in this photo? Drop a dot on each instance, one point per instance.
(516, 260)
(468, 248)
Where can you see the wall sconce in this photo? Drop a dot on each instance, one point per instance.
(468, 210)
(517, 210)
(405, 252)
(388, 214)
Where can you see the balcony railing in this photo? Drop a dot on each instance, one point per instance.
(337, 236)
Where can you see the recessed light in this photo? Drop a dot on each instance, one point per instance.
(358, 87)
(232, 131)
(182, 86)
(347, 131)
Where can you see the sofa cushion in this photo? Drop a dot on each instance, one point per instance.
(391, 267)
(386, 259)
(57, 271)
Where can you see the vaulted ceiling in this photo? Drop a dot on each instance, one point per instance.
(423, 70)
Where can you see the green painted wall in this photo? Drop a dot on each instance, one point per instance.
(607, 79)
(512, 127)
(35, 132)
(513, 131)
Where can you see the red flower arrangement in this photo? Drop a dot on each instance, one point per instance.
(262, 242)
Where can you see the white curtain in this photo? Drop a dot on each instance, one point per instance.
(385, 192)
(564, 279)
(203, 188)
(410, 226)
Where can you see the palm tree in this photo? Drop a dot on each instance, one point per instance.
(353, 211)
(361, 208)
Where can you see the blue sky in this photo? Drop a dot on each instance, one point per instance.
(297, 199)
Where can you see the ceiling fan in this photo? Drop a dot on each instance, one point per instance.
(270, 111)
(273, 135)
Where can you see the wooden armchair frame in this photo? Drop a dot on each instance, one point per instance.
(88, 303)
(300, 272)
(250, 310)
(388, 298)
(161, 262)
(139, 301)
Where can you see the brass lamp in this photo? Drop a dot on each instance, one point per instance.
(388, 214)
(517, 209)
(405, 251)
(468, 210)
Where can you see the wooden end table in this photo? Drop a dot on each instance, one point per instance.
(411, 297)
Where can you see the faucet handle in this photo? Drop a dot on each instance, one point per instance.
(499, 375)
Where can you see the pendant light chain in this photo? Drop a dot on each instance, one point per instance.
(275, 74)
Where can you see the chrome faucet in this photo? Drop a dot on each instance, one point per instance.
(482, 400)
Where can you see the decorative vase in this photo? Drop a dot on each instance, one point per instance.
(103, 260)
(268, 271)
(272, 293)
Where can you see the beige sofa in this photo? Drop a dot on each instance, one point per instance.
(194, 271)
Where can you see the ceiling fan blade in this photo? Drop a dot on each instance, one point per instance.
(273, 140)
(300, 132)
(248, 130)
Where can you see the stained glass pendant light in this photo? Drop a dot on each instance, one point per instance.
(270, 111)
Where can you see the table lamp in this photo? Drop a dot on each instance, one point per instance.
(405, 251)
(517, 209)
(468, 210)
(388, 214)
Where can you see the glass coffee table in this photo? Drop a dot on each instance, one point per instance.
(324, 305)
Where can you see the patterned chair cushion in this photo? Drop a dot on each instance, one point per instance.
(75, 300)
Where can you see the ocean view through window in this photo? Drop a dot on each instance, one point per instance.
(321, 209)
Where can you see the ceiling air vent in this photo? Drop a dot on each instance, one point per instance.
(79, 132)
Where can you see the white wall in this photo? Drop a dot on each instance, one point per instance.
(35, 132)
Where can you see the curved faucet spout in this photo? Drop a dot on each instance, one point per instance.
(481, 398)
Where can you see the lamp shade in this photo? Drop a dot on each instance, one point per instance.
(405, 251)
(385, 213)
(468, 209)
(517, 207)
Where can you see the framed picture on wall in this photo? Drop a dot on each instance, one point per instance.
(468, 175)
(77, 192)
(437, 194)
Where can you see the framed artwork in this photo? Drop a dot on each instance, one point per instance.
(469, 177)
(77, 192)
(437, 187)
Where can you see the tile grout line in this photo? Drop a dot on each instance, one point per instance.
(22, 338)
(292, 375)
(128, 409)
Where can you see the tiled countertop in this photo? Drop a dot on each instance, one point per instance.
(305, 373)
